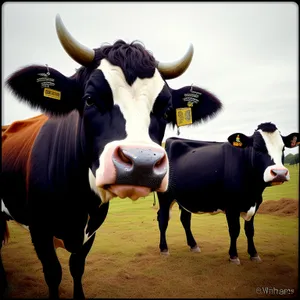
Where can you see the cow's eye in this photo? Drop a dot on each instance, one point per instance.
(89, 101)
(167, 114)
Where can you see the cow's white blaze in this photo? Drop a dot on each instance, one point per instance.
(274, 145)
(135, 101)
(248, 215)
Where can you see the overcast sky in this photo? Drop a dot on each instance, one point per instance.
(245, 53)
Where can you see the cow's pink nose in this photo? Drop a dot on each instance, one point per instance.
(143, 166)
(279, 174)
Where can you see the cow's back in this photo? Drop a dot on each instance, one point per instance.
(17, 142)
(196, 170)
(182, 145)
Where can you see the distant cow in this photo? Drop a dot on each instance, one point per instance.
(210, 177)
(100, 138)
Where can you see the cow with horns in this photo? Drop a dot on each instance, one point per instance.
(99, 138)
(230, 177)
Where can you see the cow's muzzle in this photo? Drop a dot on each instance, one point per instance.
(132, 170)
(140, 166)
(279, 176)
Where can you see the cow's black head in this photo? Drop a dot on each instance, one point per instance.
(267, 156)
(124, 103)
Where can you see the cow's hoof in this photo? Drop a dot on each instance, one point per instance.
(235, 260)
(195, 249)
(256, 258)
(165, 252)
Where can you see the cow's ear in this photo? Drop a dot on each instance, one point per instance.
(240, 140)
(45, 88)
(291, 140)
(193, 104)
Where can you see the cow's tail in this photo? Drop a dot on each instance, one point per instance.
(4, 231)
(154, 199)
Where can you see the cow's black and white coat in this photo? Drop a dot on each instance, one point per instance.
(99, 138)
(230, 177)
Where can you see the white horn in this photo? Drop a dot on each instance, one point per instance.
(175, 69)
(80, 53)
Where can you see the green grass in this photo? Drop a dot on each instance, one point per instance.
(125, 261)
(288, 189)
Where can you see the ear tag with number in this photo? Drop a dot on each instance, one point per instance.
(294, 141)
(47, 83)
(50, 93)
(237, 142)
(183, 116)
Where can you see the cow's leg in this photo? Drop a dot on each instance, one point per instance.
(163, 220)
(77, 260)
(185, 218)
(233, 221)
(249, 231)
(44, 247)
(76, 264)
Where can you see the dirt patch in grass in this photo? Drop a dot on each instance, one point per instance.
(282, 207)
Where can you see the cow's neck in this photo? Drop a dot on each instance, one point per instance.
(60, 144)
(237, 161)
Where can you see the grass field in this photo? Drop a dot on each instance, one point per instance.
(125, 261)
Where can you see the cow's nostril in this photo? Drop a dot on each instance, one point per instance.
(273, 173)
(123, 157)
(286, 173)
(160, 162)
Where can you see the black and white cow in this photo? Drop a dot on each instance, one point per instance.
(99, 138)
(229, 177)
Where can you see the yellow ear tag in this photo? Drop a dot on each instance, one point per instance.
(237, 142)
(50, 93)
(294, 142)
(183, 116)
